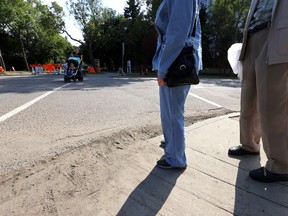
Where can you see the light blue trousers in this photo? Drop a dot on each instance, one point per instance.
(172, 101)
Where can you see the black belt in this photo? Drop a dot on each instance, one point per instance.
(258, 28)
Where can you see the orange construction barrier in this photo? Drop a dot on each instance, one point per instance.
(49, 67)
(57, 65)
(36, 68)
(91, 70)
(34, 65)
(1, 70)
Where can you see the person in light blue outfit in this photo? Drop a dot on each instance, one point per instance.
(175, 20)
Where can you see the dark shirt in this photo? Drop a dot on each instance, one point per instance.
(79, 54)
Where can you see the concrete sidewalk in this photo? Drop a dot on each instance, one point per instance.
(212, 184)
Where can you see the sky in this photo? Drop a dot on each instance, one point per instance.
(71, 26)
(117, 5)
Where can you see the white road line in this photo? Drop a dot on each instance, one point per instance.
(28, 104)
(203, 99)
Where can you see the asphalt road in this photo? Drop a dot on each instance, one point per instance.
(41, 116)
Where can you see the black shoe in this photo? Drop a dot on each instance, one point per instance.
(263, 175)
(164, 165)
(162, 144)
(239, 151)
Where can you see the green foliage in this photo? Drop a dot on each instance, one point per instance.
(132, 10)
(140, 33)
(104, 31)
(30, 33)
(85, 11)
(222, 26)
(152, 6)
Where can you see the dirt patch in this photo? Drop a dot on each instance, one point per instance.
(200, 116)
(71, 182)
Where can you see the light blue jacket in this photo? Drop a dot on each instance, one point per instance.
(174, 23)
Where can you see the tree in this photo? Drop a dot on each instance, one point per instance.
(225, 21)
(31, 31)
(113, 30)
(132, 10)
(19, 22)
(152, 7)
(47, 44)
(137, 30)
(87, 14)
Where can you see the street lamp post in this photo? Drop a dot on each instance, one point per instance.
(123, 54)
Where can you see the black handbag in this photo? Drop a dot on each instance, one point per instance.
(183, 70)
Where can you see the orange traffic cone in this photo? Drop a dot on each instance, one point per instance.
(1, 70)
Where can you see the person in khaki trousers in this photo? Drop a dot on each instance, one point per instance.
(264, 95)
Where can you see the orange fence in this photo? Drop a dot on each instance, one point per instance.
(35, 65)
(51, 67)
(48, 67)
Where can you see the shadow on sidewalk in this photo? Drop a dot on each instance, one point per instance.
(151, 194)
(256, 198)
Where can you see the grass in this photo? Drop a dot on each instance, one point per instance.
(11, 73)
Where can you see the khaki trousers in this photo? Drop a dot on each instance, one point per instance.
(264, 104)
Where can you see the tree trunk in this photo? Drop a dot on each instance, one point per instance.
(2, 61)
(24, 54)
(91, 57)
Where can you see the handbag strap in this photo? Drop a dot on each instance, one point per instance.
(194, 28)
(187, 50)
